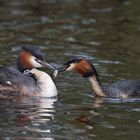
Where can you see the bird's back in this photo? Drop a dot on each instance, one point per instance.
(124, 88)
(12, 80)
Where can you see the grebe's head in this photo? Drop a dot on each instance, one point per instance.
(80, 65)
(31, 57)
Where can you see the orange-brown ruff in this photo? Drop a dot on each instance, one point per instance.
(120, 89)
(82, 70)
(24, 58)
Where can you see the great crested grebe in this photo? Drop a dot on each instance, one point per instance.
(120, 89)
(25, 79)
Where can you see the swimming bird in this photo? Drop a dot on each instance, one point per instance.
(119, 89)
(25, 79)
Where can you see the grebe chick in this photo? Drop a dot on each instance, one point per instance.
(25, 79)
(120, 89)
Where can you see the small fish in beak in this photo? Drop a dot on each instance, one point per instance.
(55, 74)
(59, 69)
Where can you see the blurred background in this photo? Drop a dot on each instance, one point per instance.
(107, 32)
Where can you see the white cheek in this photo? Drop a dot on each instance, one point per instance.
(71, 67)
(35, 63)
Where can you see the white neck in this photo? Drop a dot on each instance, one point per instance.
(96, 86)
(45, 83)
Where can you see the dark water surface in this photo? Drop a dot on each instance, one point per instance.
(107, 32)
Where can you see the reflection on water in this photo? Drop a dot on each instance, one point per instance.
(104, 31)
(28, 116)
(48, 119)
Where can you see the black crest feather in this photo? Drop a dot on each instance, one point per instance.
(34, 50)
